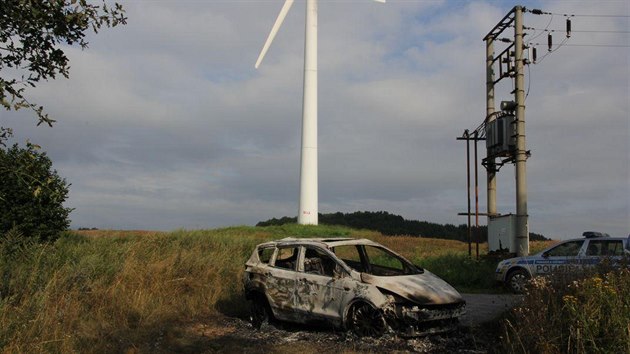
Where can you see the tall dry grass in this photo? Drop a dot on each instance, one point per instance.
(113, 291)
(586, 315)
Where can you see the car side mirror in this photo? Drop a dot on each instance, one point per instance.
(545, 255)
(420, 269)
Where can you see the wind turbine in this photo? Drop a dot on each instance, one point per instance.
(307, 213)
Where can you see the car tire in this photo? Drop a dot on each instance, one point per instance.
(366, 321)
(260, 312)
(517, 280)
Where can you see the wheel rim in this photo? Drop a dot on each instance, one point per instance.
(518, 281)
(366, 321)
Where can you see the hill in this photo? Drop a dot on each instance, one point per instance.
(391, 225)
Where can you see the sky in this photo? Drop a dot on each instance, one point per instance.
(165, 123)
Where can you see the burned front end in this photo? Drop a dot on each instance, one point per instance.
(410, 319)
(419, 304)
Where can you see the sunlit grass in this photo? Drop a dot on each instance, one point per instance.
(117, 291)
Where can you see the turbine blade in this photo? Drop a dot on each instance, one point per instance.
(274, 30)
(382, 1)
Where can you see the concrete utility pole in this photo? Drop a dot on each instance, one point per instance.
(490, 167)
(507, 132)
(522, 228)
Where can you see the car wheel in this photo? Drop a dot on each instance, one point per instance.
(366, 321)
(260, 313)
(517, 280)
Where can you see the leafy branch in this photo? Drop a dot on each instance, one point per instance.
(31, 32)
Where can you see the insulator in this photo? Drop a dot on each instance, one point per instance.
(537, 12)
(549, 42)
(534, 55)
(568, 27)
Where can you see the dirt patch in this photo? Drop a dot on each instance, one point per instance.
(222, 334)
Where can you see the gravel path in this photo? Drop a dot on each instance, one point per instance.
(481, 308)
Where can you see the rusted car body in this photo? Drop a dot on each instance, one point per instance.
(353, 284)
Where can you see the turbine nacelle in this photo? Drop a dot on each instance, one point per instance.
(276, 26)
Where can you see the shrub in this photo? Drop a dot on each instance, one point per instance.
(589, 315)
(31, 194)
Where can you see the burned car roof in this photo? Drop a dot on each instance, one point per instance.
(326, 242)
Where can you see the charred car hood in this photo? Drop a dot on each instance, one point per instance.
(423, 289)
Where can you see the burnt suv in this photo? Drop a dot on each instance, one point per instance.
(352, 284)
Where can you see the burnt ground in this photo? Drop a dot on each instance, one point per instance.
(222, 334)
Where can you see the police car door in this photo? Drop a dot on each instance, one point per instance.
(565, 257)
(603, 250)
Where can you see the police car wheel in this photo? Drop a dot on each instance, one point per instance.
(517, 280)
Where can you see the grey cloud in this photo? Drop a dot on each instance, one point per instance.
(164, 123)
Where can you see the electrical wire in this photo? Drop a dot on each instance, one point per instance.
(553, 50)
(599, 45)
(543, 31)
(529, 80)
(587, 45)
(585, 31)
(585, 15)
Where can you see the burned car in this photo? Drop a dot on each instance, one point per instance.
(352, 284)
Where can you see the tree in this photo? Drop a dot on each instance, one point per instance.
(31, 35)
(31, 194)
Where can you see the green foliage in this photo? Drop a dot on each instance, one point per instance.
(465, 273)
(391, 224)
(31, 35)
(589, 315)
(31, 194)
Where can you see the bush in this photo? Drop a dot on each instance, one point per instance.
(462, 271)
(589, 315)
(31, 194)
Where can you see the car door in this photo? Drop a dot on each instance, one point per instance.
(281, 282)
(559, 259)
(599, 251)
(323, 286)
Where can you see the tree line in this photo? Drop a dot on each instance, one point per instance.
(391, 225)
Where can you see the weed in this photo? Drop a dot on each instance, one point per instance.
(588, 315)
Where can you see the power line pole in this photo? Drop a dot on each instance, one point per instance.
(522, 227)
(506, 130)
(490, 167)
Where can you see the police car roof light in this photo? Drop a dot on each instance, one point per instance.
(593, 234)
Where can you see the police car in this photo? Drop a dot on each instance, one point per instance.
(569, 256)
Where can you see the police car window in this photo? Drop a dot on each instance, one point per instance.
(567, 249)
(605, 248)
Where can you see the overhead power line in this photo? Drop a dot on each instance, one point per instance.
(541, 12)
(586, 31)
(587, 45)
(587, 15)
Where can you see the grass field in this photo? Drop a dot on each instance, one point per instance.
(118, 291)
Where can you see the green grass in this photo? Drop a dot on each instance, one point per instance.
(467, 274)
(114, 291)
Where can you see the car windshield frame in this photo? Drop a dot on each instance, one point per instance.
(408, 268)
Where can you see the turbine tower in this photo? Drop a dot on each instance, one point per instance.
(307, 213)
